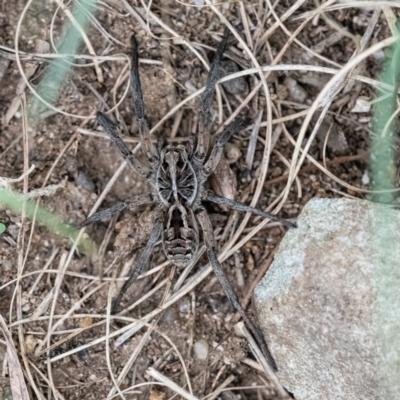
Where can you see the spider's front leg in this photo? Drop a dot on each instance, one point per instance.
(148, 148)
(209, 239)
(141, 263)
(111, 129)
(131, 203)
(202, 140)
(234, 127)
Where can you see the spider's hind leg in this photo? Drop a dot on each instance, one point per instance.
(209, 239)
(140, 264)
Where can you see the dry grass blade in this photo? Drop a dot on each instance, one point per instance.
(108, 356)
(116, 333)
(283, 18)
(253, 364)
(17, 381)
(267, 147)
(143, 341)
(295, 167)
(336, 179)
(21, 248)
(391, 19)
(44, 269)
(172, 385)
(89, 46)
(21, 70)
(219, 390)
(75, 306)
(251, 149)
(339, 85)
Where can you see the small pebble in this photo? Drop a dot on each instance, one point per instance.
(200, 349)
(26, 308)
(232, 153)
(379, 55)
(85, 181)
(31, 343)
(157, 395)
(86, 322)
(169, 316)
(70, 163)
(297, 93)
(184, 305)
(363, 105)
(365, 178)
(190, 87)
(13, 230)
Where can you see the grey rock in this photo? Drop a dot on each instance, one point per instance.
(329, 305)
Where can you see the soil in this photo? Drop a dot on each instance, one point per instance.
(84, 164)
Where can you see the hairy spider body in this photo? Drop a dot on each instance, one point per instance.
(177, 175)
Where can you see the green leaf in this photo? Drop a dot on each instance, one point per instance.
(2, 228)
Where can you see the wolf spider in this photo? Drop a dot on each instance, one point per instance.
(177, 175)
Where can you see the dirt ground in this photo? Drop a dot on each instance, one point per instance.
(83, 165)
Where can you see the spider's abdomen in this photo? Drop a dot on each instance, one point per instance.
(181, 239)
(176, 179)
(180, 249)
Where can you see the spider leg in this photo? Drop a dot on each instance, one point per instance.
(209, 239)
(148, 148)
(243, 207)
(234, 127)
(141, 262)
(111, 129)
(131, 202)
(201, 142)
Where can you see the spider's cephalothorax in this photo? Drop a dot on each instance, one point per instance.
(176, 179)
(177, 176)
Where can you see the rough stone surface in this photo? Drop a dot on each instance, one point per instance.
(329, 304)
